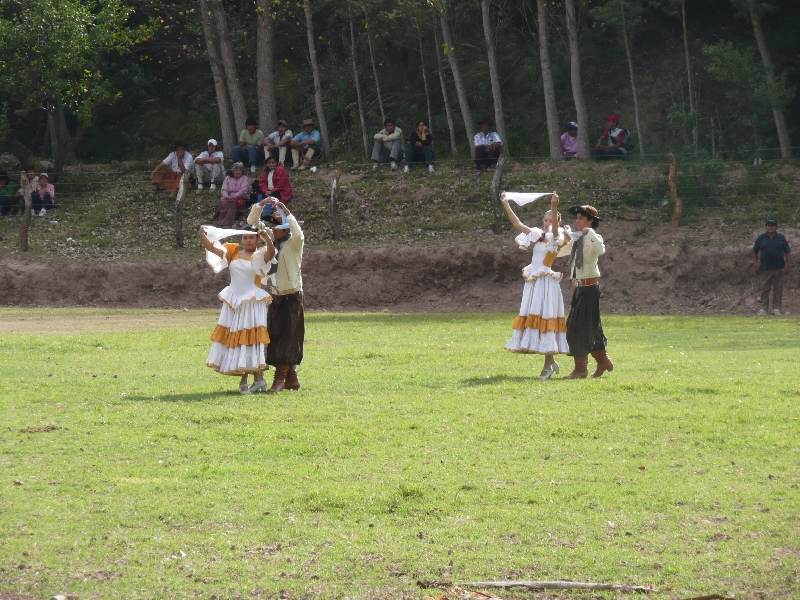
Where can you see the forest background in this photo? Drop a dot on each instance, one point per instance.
(97, 81)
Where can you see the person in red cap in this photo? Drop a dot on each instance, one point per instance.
(610, 144)
(584, 328)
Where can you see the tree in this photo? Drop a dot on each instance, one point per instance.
(450, 51)
(229, 63)
(355, 78)
(623, 16)
(226, 120)
(497, 96)
(577, 85)
(265, 73)
(547, 81)
(53, 58)
(440, 62)
(374, 66)
(777, 110)
(312, 56)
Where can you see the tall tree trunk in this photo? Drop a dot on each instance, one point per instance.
(690, 77)
(766, 58)
(65, 145)
(497, 95)
(463, 102)
(447, 112)
(355, 79)
(627, 42)
(229, 133)
(425, 79)
(374, 67)
(547, 81)
(229, 64)
(265, 74)
(312, 56)
(577, 87)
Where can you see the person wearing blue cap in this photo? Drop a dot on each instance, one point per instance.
(285, 316)
(771, 259)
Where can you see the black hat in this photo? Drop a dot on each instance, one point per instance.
(483, 120)
(772, 222)
(586, 210)
(181, 143)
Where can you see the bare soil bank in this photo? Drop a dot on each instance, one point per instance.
(645, 270)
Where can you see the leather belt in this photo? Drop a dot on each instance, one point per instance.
(585, 282)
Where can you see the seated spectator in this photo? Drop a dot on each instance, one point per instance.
(277, 142)
(487, 145)
(274, 182)
(235, 189)
(614, 138)
(178, 163)
(420, 147)
(31, 186)
(250, 140)
(569, 140)
(388, 145)
(44, 198)
(7, 200)
(208, 166)
(306, 145)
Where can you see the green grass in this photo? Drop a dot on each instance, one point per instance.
(417, 448)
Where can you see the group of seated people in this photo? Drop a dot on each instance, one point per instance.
(612, 144)
(42, 192)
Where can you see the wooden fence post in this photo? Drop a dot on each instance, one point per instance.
(334, 206)
(673, 191)
(26, 214)
(497, 182)
(179, 209)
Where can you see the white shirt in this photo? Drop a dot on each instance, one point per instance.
(172, 162)
(487, 140)
(276, 137)
(209, 166)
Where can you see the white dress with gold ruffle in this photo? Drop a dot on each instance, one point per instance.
(240, 337)
(540, 327)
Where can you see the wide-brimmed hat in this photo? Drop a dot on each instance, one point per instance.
(282, 122)
(309, 122)
(283, 223)
(180, 143)
(587, 210)
(483, 120)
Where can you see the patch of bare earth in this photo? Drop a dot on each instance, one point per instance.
(646, 270)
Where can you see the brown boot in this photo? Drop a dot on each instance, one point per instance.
(292, 382)
(603, 363)
(581, 369)
(279, 380)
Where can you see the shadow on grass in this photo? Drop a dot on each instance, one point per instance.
(494, 379)
(201, 397)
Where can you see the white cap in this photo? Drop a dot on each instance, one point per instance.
(212, 141)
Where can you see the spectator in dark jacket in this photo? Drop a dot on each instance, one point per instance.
(420, 147)
(274, 182)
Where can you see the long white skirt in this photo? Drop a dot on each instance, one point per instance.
(240, 338)
(540, 327)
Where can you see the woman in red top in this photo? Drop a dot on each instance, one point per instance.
(275, 182)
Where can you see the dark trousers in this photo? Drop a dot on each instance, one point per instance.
(38, 203)
(771, 279)
(485, 157)
(420, 154)
(584, 327)
(250, 154)
(287, 329)
(7, 203)
(609, 153)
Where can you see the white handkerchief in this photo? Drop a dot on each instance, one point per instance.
(525, 198)
(216, 234)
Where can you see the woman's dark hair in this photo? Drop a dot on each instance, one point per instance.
(272, 158)
(250, 121)
(420, 122)
(27, 168)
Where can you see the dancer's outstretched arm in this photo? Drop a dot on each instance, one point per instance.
(513, 217)
(209, 245)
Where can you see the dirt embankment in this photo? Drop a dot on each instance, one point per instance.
(654, 271)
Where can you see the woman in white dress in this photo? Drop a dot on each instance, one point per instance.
(540, 327)
(240, 337)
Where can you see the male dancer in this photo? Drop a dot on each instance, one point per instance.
(584, 328)
(285, 316)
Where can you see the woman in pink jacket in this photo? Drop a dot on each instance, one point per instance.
(235, 190)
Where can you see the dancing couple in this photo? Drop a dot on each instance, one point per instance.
(540, 327)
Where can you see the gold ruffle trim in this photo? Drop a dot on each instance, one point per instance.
(267, 299)
(243, 337)
(553, 274)
(238, 373)
(557, 324)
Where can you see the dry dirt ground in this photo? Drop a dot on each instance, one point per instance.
(646, 270)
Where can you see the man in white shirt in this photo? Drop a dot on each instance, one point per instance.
(584, 328)
(178, 162)
(209, 166)
(277, 142)
(487, 145)
(388, 145)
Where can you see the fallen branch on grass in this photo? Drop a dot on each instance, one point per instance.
(543, 585)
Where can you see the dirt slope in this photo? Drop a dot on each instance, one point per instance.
(655, 271)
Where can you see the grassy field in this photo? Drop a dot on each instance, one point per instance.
(417, 449)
